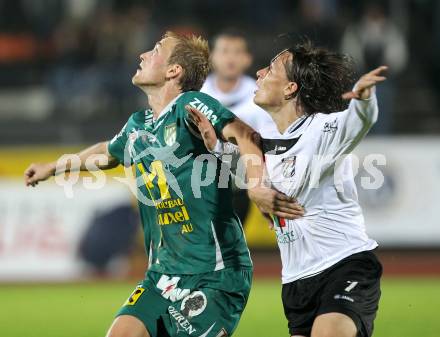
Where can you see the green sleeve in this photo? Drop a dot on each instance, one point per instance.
(116, 147)
(217, 114)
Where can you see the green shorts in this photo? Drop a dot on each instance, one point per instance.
(202, 305)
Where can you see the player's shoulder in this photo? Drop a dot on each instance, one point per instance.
(138, 117)
(320, 118)
(197, 98)
(139, 114)
(325, 122)
(189, 95)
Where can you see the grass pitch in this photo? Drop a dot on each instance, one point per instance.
(409, 307)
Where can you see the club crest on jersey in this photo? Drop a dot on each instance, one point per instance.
(288, 166)
(170, 134)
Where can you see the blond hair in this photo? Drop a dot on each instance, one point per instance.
(192, 54)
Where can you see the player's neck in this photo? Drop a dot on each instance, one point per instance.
(226, 85)
(159, 98)
(285, 116)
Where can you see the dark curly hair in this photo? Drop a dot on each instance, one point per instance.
(322, 77)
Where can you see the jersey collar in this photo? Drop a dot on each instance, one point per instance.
(167, 108)
(296, 125)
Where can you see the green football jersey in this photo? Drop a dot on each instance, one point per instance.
(184, 192)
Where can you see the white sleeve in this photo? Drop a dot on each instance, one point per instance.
(343, 130)
(222, 148)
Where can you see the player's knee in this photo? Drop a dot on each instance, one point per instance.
(127, 326)
(334, 325)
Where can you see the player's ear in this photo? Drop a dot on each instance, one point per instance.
(290, 90)
(173, 71)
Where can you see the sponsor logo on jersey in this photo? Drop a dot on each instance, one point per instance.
(174, 217)
(135, 296)
(170, 203)
(170, 134)
(288, 166)
(278, 146)
(330, 127)
(187, 228)
(148, 118)
(169, 288)
(343, 297)
(286, 237)
(203, 108)
(194, 304)
(181, 321)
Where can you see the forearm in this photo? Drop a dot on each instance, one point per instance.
(365, 109)
(91, 155)
(248, 141)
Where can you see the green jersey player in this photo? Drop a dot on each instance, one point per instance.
(200, 271)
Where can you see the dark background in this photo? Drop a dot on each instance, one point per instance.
(66, 66)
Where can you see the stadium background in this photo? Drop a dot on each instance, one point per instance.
(66, 264)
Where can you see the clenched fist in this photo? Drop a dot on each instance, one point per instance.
(37, 172)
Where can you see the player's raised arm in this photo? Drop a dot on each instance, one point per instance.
(352, 125)
(37, 172)
(268, 200)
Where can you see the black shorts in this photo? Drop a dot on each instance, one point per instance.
(350, 287)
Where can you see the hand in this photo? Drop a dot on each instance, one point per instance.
(204, 125)
(38, 172)
(269, 220)
(362, 89)
(273, 202)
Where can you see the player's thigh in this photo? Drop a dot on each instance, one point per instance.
(353, 291)
(205, 312)
(300, 302)
(144, 305)
(127, 326)
(333, 324)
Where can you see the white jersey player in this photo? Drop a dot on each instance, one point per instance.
(306, 163)
(331, 279)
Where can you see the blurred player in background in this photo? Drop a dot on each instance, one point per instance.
(330, 276)
(229, 84)
(200, 271)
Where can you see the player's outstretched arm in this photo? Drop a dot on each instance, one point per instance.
(363, 87)
(268, 200)
(37, 172)
(347, 128)
(362, 111)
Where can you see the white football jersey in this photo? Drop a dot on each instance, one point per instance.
(240, 101)
(308, 162)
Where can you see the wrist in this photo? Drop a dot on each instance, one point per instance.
(218, 148)
(52, 168)
(252, 192)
